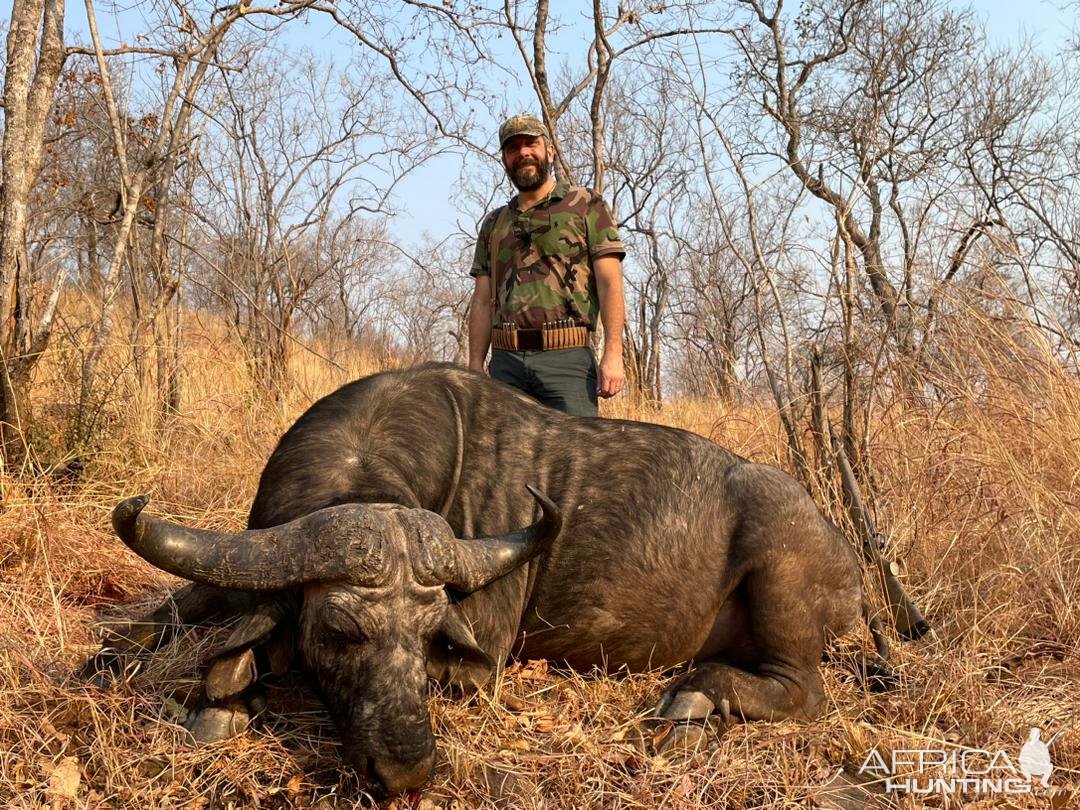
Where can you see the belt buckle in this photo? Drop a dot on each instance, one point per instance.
(530, 341)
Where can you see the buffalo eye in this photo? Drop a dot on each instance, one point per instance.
(343, 624)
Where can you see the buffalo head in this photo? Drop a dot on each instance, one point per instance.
(375, 616)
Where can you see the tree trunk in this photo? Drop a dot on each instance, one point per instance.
(35, 57)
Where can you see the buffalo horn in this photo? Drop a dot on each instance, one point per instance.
(254, 560)
(480, 560)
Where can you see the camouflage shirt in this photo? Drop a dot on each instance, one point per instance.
(543, 256)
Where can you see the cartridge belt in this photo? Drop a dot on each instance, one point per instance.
(555, 335)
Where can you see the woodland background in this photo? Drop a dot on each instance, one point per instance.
(847, 214)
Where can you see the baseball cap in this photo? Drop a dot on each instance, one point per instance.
(523, 124)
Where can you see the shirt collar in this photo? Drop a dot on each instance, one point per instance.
(557, 193)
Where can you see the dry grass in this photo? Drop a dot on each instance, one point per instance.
(981, 496)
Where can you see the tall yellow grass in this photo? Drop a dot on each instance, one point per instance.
(978, 487)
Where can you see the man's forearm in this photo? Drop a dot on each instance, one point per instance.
(610, 373)
(609, 289)
(479, 332)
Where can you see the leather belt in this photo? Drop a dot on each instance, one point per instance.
(552, 336)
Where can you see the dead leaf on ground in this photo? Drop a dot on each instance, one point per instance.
(294, 786)
(660, 736)
(683, 788)
(65, 778)
(536, 671)
(513, 702)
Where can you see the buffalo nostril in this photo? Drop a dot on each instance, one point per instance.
(398, 777)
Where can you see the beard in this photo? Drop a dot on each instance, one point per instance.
(529, 175)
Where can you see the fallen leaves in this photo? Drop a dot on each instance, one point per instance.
(65, 779)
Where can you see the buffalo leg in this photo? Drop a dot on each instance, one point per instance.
(772, 693)
(231, 698)
(706, 699)
(219, 721)
(192, 604)
(216, 720)
(232, 694)
(788, 615)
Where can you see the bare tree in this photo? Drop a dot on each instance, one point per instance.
(929, 138)
(194, 47)
(346, 302)
(76, 210)
(616, 35)
(35, 58)
(426, 305)
(712, 314)
(1017, 155)
(278, 173)
(650, 172)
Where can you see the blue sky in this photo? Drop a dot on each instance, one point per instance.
(426, 200)
(1008, 22)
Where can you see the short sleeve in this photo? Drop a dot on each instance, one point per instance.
(481, 264)
(603, 233)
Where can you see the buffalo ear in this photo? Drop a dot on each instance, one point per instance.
(455, 657)
(257, 626)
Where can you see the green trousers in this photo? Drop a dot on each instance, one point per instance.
(564, 379)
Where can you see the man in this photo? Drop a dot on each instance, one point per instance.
(547, 268)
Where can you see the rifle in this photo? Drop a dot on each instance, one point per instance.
(910, 624)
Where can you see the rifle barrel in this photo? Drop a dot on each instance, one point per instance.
(908, 619)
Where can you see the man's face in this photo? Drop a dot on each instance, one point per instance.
(527, 159)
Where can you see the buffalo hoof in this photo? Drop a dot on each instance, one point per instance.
(101, 671)
(685, 705)
(215, 723)
(877, 675)
(107, 668)
(687, 737)
(688, 721)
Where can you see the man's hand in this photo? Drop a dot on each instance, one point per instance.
(610, 376)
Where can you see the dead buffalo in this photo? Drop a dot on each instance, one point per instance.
(671, 549)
